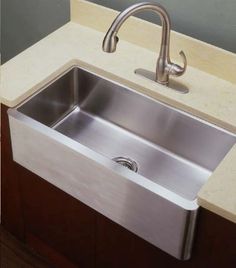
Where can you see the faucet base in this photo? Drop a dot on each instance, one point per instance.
(175, 85)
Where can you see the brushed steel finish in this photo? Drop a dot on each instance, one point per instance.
(164, 67)
(174, 151)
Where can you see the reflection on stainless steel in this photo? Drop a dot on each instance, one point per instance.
(164, 67)
(173, 149)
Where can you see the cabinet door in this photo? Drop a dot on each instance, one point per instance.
(61, 222)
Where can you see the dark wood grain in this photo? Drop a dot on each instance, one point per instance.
(66, 225)
(70, 234)
(11, 200)
(14, 254)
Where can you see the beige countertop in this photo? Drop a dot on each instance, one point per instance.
(212, 95)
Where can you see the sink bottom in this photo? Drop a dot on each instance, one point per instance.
(154, 162)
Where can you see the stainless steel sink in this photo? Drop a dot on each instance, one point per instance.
(143, 143)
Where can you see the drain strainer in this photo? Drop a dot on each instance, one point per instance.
(126, 162)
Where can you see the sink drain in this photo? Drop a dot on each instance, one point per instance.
(126, 162)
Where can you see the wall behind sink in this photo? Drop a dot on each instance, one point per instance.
(24, 22)
(213, 21)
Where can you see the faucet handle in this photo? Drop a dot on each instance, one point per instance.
(181, 53)
(177, 70)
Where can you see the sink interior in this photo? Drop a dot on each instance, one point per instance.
(170, 147)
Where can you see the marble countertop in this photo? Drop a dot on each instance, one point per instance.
(211, 97)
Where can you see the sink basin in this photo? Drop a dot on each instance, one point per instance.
(138, 161)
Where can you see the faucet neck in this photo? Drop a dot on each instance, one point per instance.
(165, 20)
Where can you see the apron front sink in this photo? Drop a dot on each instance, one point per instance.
(136, 160)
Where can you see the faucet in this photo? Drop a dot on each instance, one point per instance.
(164, 67)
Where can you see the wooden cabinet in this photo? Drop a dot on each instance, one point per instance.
(60, 221)
(70, 234)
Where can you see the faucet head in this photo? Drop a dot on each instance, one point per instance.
(110, 41)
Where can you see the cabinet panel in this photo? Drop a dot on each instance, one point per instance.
(66, 225)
